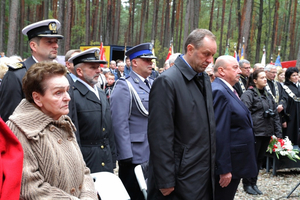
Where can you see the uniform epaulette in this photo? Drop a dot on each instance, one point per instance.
(15, 66)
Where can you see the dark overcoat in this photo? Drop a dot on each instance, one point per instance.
(181, 134)
(95, 129)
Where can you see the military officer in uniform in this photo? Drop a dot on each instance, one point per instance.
(43, 41)
(96, 137)
(129, 108)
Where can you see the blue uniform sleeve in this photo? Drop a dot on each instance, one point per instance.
(120, 113)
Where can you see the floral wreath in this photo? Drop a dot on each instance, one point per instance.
(283, 147)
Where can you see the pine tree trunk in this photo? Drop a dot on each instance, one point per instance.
(2, 25)
(211, 15)
(259, 31)
(222, 26)
(12, 32)
(87, 22)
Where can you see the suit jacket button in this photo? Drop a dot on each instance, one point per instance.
(103, 129)
(102, 147)
(103, 164)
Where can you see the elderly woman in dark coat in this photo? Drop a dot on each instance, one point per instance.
(292, 111)
(265, 118)
(53, 166)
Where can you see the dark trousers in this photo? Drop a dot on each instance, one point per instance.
(226, 193)
(261, 145)
(127, 175)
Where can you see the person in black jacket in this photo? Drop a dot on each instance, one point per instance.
(291, 117)
(265, 118)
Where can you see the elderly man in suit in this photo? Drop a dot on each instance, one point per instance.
(129, 108)
(235, 157)
(181, 129)
(96, 137)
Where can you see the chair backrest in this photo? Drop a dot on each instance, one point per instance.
(141, 179)
(109, 186)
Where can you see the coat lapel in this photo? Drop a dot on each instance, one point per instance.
(86, 92)
(232, 94)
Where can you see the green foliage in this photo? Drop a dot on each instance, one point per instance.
(161, 53)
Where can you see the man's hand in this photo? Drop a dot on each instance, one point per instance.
(166, 191)
(279, 108)
(284, 125)
(225, 179)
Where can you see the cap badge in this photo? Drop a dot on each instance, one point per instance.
(53, 27)
(97, 55)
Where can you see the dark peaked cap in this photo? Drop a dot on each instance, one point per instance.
(141, 51)
(88, 56)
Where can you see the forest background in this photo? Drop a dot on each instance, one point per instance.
(273, 24)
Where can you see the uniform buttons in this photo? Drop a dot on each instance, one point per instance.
(52, 128)
(70, 138)
(102, 147)
(103, 164)
(72, 190)
(80, 187)
(103, 129)
(59, 140)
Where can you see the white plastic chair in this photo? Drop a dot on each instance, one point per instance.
(109, 186)
(141, 179)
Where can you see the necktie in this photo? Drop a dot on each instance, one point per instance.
(200, 83)
(234, 91)
(147, 83)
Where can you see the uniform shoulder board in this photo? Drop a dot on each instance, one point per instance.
(15, 66)
(127, 76)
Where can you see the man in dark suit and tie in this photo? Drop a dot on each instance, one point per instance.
(181, 128)
(235, 157)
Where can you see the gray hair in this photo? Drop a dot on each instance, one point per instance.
(196, 37)
(173, 57)
(121, 63)
(269, 67)
(242, 62)
(258, 65)
(70, 52)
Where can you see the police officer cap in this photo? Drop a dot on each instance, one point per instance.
(45, 28)
(88, 56)
(140, 51)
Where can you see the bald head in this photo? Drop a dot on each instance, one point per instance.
(228, 69)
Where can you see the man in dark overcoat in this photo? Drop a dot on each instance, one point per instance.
(181, 127)
(96, 137)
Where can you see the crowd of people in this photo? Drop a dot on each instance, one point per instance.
(197, 128)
